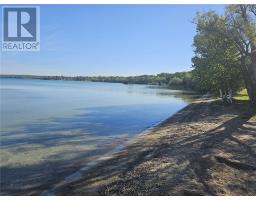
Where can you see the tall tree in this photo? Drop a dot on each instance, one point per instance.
(216, 62)
(241, 28)
(220, 42)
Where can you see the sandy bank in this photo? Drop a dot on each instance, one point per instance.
(205, 149)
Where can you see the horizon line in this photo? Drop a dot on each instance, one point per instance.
(95, 75)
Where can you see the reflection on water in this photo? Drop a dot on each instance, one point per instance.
(51, 128)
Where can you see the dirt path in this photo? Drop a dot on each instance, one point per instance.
(205, 149)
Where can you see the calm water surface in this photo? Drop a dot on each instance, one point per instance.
(47, 126)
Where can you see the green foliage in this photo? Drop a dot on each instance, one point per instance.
(216, 64)
(241, 26)
(179, 80)
(175, 81)
(221, 44)
(225, 51)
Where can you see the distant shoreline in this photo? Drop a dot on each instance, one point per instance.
(175, 81)
(185, 92)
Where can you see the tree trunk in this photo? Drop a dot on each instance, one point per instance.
(249, 70)
(249, 75)
(252, 78)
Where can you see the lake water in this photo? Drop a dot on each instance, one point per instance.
(50, 128)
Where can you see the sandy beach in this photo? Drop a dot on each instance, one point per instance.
(129, 99)
(207, 148)
(204, 149)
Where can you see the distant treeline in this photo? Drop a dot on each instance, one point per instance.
(178, 80)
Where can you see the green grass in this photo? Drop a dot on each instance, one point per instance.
(242, 95)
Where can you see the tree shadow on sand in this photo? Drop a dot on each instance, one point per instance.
(219, 161)
(187, 162)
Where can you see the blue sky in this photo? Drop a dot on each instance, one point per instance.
(110, 40)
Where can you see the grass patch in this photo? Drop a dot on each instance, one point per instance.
(242, 95)
(253, 118)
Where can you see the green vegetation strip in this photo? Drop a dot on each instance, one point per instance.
(242, 95)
